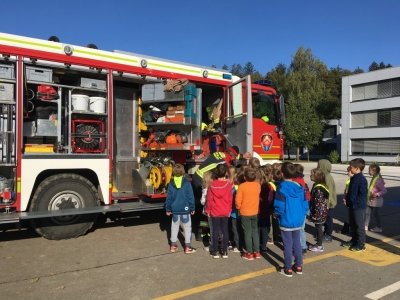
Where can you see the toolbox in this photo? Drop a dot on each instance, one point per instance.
(7, 71)
(7, 92)
(93, 83)
(39, 74)
(152, 92)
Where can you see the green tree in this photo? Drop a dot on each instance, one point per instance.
(248, 69)
(358, 70)
(237, 70)
(373, 66)
(306, 89)
(331, 108)
(278, 77)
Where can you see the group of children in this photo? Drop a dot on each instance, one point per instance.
(249, 201)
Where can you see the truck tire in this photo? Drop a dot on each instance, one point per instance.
(64, 191)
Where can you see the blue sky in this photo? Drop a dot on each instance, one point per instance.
(340, 33)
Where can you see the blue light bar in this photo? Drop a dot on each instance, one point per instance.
(227, 76)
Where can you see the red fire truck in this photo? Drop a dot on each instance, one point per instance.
(85, 132)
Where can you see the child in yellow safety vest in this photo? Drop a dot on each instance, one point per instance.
(346, 225)
(318, 206)
(375, 201)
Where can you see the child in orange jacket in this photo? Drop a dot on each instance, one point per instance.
(247, 202)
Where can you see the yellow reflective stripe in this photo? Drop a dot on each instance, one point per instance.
(55, 46)
(270, 156)
(106, 56)
(214, 74)
(324, 187)
(371, 185)
(210, 167)
(173, 68)
(273, 185)
(219, 155)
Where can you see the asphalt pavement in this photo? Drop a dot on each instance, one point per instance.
(130, 259)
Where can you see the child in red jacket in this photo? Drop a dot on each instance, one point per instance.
(219, 207)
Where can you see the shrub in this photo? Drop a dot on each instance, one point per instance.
(333, 157)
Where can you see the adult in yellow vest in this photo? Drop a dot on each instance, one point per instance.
(209, 164)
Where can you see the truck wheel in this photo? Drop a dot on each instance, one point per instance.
(64, 191)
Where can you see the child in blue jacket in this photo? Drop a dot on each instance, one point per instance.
(290, 207)
(180, 204)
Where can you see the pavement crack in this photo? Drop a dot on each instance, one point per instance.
(36, 279)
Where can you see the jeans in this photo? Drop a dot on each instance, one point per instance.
(197, 192)
(186, 222)
(291, 245)
(329, 222)
(303, 240)
(357, 226)
(250, 230)
(374, 211)
(320, 233)
(219, 226)
(263, 228)
(236, 232)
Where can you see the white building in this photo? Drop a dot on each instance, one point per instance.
(371, 116)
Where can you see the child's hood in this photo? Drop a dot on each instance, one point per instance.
(221, 186)
(325, 165)
(178, 181)
(291, 188)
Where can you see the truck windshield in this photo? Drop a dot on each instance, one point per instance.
(264, 106)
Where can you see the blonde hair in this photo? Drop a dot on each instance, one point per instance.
(208, 178)
(267, 172)
(232, 173)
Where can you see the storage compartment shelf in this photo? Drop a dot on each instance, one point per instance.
(145, 102)
(173, 148)
(86, 112)
(188, 121)
(7, 102)
(72, 87)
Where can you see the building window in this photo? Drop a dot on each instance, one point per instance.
(376, 118)
(378, 147)
(329, 132)
(375, 90)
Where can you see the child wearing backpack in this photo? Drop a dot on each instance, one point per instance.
(318, 206)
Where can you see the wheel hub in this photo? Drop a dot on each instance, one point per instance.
(65, 200)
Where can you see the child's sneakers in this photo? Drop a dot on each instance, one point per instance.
(347, 244)
(357, 248)
(287, 272)
(214, 254)
(235, 250)
(256, 255)
(173, 248)
(248, 256)
(297, 269)
(189, 250)
(225, 254)
(316, 248)
(376, 229)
